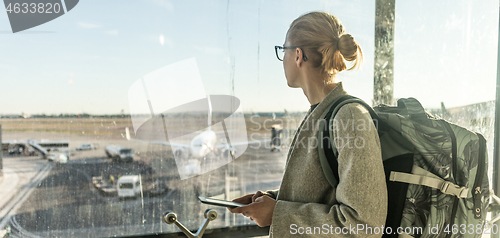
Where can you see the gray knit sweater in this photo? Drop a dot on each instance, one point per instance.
(307, 204)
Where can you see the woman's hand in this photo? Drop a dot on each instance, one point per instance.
(261, 210)
(259, 194)
(249, 198)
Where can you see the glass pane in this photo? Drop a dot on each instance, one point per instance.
(106, 123)
(449, 61)
(446, 57)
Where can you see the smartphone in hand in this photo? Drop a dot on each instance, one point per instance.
(222, 203)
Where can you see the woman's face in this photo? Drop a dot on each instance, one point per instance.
(290, 66)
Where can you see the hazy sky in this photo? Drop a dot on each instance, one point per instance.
(86, 60)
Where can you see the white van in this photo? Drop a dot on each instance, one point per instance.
(129, 186)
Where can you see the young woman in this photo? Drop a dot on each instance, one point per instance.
(316, 49)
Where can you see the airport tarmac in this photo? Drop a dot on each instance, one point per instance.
(66, 204)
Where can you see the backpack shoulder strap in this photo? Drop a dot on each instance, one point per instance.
(327, 157)
(326, 145)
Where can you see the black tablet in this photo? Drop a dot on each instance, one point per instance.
(222, 203)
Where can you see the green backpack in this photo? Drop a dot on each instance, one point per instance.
(436, 174)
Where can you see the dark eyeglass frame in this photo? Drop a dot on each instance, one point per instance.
(279, 47)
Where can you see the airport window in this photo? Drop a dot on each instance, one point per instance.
(126, 185)
(113, 113)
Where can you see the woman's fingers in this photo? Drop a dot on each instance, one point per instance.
(258, 194)
(247, 199)
(245, 210)
(236, 210)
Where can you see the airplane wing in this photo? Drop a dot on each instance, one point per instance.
(127, 132)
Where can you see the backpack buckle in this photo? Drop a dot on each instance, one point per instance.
(450, 188)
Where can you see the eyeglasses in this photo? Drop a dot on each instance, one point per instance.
(280, 52)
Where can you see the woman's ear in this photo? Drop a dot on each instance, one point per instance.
(298, 57)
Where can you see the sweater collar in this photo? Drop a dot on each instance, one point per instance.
(327, 101)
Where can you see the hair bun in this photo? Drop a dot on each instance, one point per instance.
(325, 42)
(347, 46)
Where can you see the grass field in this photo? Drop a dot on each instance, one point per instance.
(115, 127)
(85, 126)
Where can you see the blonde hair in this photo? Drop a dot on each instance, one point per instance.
(325, 42)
